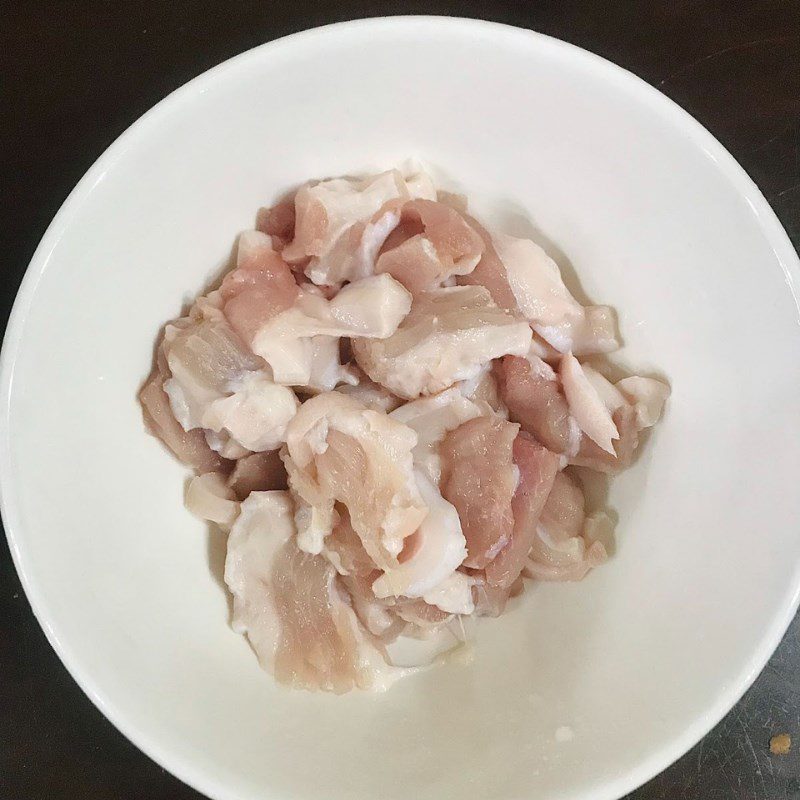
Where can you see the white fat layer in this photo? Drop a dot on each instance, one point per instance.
(432, 418)
(440, 550)
(648, 397)
(453, 595)
(586, 405)
(370, 308)
(255, 415)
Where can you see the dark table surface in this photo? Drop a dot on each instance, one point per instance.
(74, 75)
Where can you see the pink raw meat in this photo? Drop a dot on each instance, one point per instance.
(594, 457)
(278, 222)
(491, 273)
(536, 402)
(432, 242)
(537, 472)
(190, 447)
(560, 550)
(261, 286)
(258, 472)
(479, 479)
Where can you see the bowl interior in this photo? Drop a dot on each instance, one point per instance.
(581, 690)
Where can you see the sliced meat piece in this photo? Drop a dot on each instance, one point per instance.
(479, 478)
(593, 333)
(277, 222)
(431, 243)
(218, 384)
(431, 555)
(338, 451)
(490, 272)
(322, 644)
(372, 307)
(560, 550)
(647, 395)
(259, 472)
(344, 549)
(586, 405)
(325, 211)
(524, 280)
(342, 223)
(563, 514)
(448, 336)
(205, 359)
(537, 472)
(256, 415)
(532, 392)
(594, 457)
(535, 281)
(208, 497)
(611, 396)
(383, 502)
(189, 447)
(431, 418)
(292, 608)
(261, 286)
(634, 403)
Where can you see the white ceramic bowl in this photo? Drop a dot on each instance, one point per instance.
(638, 661)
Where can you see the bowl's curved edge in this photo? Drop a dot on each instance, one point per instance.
(775, 236)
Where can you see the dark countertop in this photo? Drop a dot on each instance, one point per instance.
(76, 74)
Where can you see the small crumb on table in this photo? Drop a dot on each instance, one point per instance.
(780, 745)
(564, 734)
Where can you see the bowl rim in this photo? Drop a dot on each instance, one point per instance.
(186, 769)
